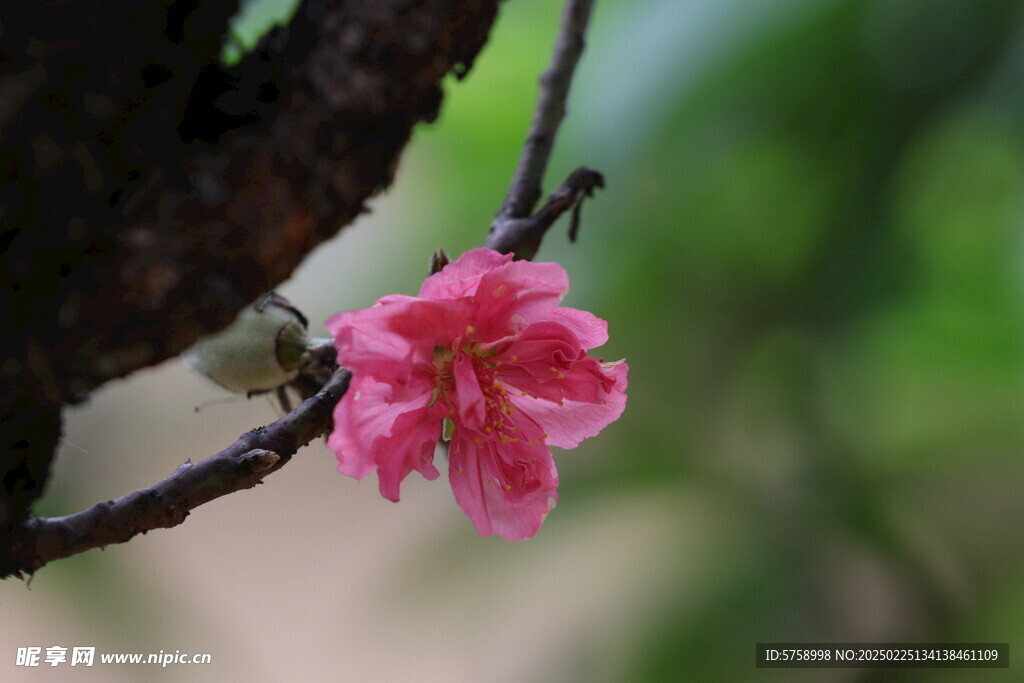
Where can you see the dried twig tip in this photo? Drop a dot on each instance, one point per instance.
(438, 260)
(585, 180)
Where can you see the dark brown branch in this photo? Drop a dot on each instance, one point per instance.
(523, 235)
(527, 182)
(514, 228)
(148, 193)
(166, 504)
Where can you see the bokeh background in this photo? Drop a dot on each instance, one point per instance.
(810, 252)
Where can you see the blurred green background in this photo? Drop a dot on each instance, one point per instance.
(810, 252)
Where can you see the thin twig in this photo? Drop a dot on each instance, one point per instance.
(514, 229)
(528, 180)
(523, 235)
(166, 504)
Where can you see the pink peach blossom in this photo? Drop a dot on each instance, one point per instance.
(487, 346)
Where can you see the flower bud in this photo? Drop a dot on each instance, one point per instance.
(261, 350)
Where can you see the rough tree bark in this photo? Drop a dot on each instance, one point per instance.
(149, 194)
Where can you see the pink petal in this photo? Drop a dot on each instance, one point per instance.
(547, 360)
(363, 343)
(396, 336)
(430, 323)
(507, 489)
(588, 328)
(506, 295)
(566, 425)
(373, 430)
(462, 276)
(472, 411)
(517, 295)
(410, 447)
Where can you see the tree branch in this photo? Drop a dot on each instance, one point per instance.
(149, 193)
(262, 451)
(523, 235)
(167, 503)
(528, 179)
(514, 229)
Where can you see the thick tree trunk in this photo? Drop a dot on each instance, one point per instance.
(149, 194)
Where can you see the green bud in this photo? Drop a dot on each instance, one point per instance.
(261, 350)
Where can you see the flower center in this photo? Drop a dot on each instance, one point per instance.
(443, 358)
(444, 380)
(498, 406)
(496, 401)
